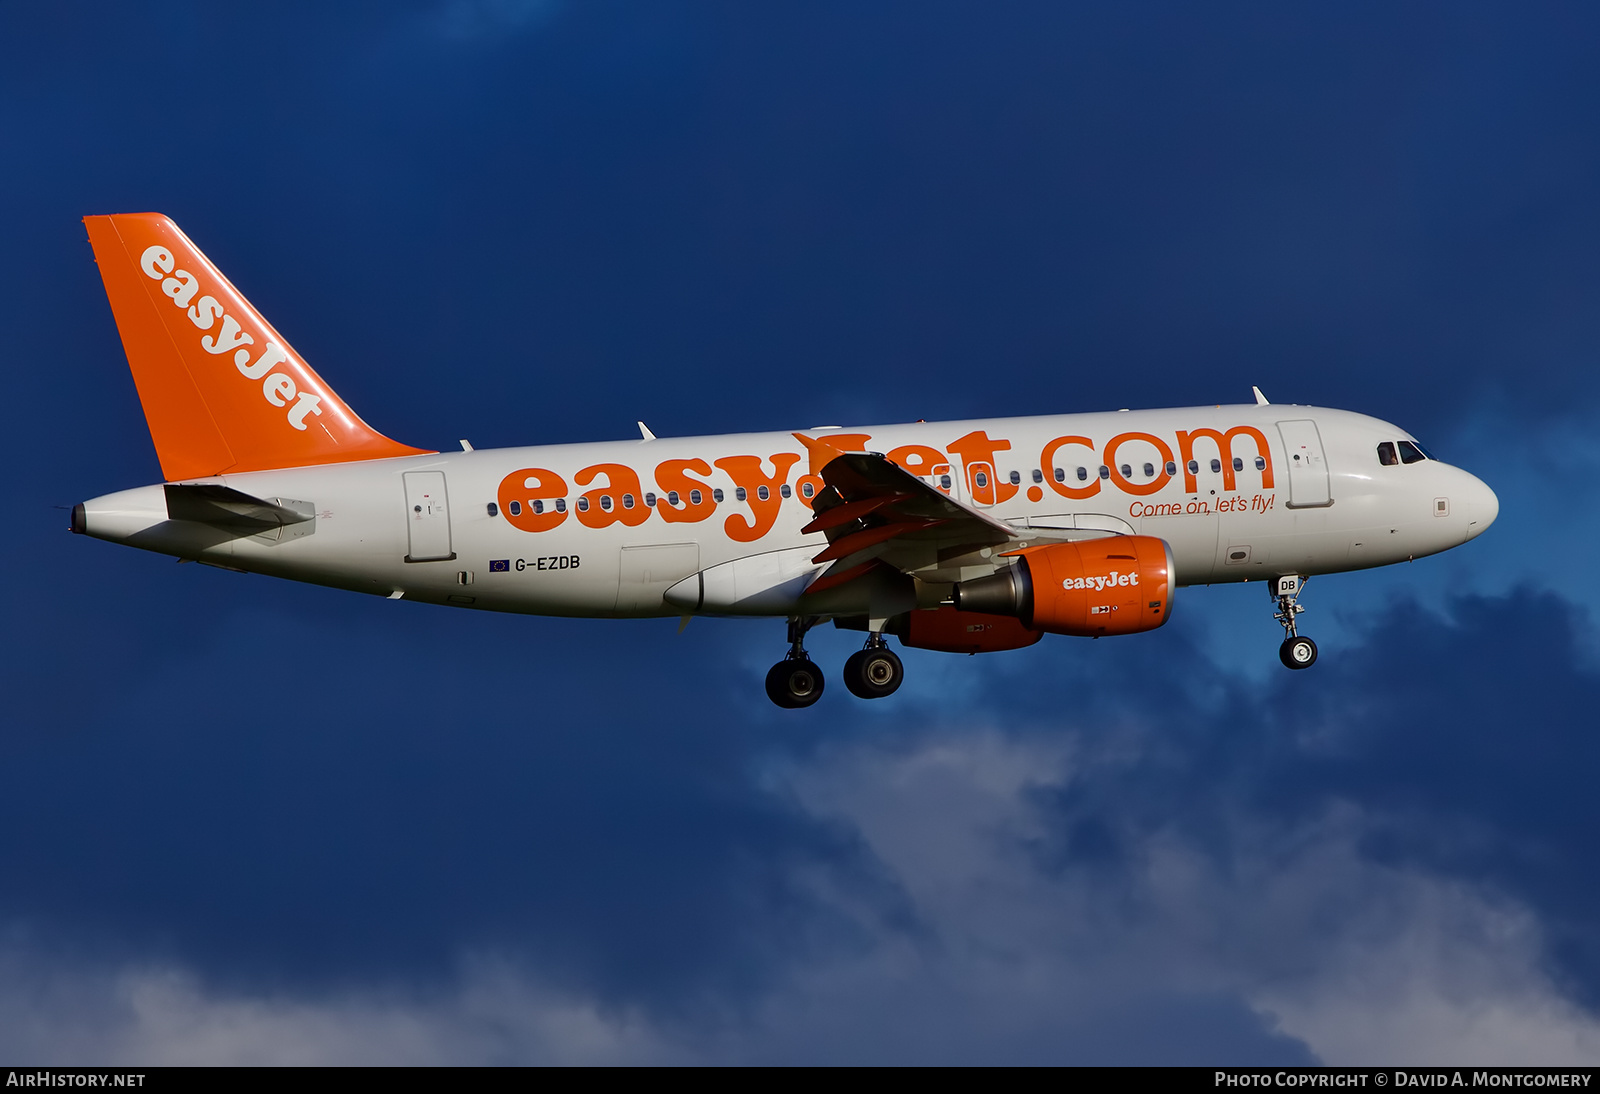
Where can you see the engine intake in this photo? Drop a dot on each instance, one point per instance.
(1117, 585)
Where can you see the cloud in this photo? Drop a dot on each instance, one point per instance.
(1293, 945)
(1358, 865)
(1359, 961)
(163, 1015)
(1441, 975)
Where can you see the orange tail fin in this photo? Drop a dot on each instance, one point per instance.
(222, 391)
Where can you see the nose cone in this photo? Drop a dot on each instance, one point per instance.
(1482, 506)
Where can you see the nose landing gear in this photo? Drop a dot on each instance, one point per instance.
(873, 672)
(1297, 651)
(795, 681)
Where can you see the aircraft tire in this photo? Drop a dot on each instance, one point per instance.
(873, 673)
(1298, 653)
(794, 682)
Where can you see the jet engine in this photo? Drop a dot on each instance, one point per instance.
(1116, 585)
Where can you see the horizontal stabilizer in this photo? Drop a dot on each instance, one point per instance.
(225, 507)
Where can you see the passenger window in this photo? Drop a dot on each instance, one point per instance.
(807, 489)
(672, 498)
(1105, 472)
(980, 479)
(494, 510)
(649, 500)
(739, 493)
(1127, 472)
(515, 508)
(561, 505)
(944, 481)
(627, 501)
(1172, 468)
(606, 503)
(1410, 453)
(583, 505)
(1194, 467)
(1061, 474)
(1238, 464)
(1386, 454)
(784, 490)
(1216, 466)
(717, 495)
(1261, 463)
(763, 493)
(538, 507)
(1038, 476)
(1149, 470)
(695, 497)
(1016, 477)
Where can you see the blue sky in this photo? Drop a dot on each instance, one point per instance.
(247, 821)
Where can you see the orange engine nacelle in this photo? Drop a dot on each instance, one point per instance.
(1117, 585)
(952, 631)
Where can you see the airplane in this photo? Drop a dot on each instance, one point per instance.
(965, 536)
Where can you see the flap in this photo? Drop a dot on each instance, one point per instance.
(872, 508)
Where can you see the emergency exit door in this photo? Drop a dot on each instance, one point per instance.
(427, 517)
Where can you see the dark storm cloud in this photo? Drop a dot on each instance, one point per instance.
(314, 833)
(1465, 738)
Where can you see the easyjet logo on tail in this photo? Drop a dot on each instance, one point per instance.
(182, 287)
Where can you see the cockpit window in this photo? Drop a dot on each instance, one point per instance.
(1386, 454)
(1410, 453)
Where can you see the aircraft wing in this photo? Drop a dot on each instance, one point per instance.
(875, 512)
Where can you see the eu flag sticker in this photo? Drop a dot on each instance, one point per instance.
(499, 565)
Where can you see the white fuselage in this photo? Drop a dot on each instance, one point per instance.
(1303, 500)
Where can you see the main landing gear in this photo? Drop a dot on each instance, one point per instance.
(795, 681)
(870, 673)
(1297, 651)
(874, 671)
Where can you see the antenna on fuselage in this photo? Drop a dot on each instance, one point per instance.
(1261, 400)
(644, 431)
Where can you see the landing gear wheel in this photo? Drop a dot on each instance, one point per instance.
(873, 672)
(794, 682)
(1298, 652)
